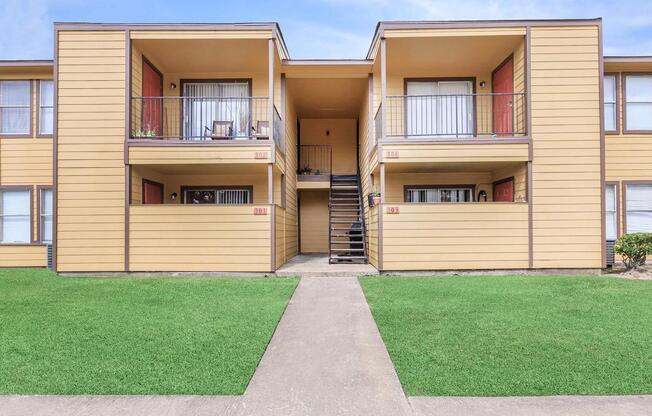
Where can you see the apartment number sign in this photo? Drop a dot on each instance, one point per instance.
(392, 210)
(261, 155)
(260, 210)
(392, 154)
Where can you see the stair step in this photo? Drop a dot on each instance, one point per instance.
(347, 249)
(347, 242)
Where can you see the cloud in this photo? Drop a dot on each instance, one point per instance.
(26, 30)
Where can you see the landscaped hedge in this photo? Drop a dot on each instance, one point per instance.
(634, 249)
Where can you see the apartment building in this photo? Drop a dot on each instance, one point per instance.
(451, 145)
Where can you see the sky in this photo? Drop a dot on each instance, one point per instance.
(314, 28)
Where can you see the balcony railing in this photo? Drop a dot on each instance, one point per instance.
(455, 116)
(203, 118)
(315, 160)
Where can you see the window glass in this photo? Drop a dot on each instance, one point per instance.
(610, 212)
(15, 216)
(14, 107)
(639, 102)
(639, 208)
(46, 215)
(46, 107)
(438, 195)
(610, 102)
(217, 196)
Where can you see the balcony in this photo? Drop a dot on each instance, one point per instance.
(315, 166)
(455, 116)
(202, 118)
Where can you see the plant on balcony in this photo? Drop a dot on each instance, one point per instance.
(305, 170)
(634, 249)
(374, 198)
(143, 133)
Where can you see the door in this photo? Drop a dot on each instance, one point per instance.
(502, 81)
(152, 192)
(439, 108)
(152, 115)
(504, 190)
(313, 228)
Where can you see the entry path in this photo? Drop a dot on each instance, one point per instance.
(325, 358)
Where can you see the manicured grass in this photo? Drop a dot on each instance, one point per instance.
(509, 335)
(61, 335)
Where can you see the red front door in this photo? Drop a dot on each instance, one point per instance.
(502, 81)
(152, 193)
(153, 106)
(504, 191)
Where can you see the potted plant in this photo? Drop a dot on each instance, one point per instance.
(374, 198)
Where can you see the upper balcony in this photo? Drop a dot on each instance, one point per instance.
(448, 87)
(204, 97)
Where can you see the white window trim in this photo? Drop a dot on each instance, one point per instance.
(616, 95)
(627, 209)
(42, 216)
(626, 125)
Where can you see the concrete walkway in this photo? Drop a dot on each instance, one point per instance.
(533, 406)
(326, 358)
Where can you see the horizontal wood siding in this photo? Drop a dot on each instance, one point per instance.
(91, 133)
(203, 238)
(193, 154)
(280, 243)
(34, 255)
(447, 153)
(566, 192)
(372, 232)
(455, 236)
(291, 197)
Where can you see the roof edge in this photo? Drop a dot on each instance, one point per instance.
(26, 62)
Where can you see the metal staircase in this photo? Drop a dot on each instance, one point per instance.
(346, 239)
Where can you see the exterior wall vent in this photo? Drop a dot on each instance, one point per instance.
(611, 257)
(49, 256)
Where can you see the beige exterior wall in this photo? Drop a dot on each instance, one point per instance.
(26, 161)
(503, 151)
(628, 155)
(313, 206)
(291, 197)
(341, 138)
(566, 194)
(91, 166)
(455, 236)
(201, 238)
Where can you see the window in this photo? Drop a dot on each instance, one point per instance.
(639, 208)
(610, 103)
(638, 106)
(15, 107)
(217, 195)
(46, 107)
(610, 195)
(15, 226)
(434, 194)
(45, 212)
(439, 108)
(225, 102)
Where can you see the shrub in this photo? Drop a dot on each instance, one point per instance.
(634, 249)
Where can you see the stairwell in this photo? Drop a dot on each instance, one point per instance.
(346, 241)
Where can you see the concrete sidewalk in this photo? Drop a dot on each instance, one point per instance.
(326, 358)
(533, 406)
(116, 405)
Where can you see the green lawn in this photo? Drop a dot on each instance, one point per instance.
(509, 335)
(134, 335)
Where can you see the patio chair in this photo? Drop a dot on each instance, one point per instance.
(222, 130)
(261, 131)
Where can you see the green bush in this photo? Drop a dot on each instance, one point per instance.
(634, 249)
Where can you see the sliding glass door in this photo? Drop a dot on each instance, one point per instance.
(439, 108)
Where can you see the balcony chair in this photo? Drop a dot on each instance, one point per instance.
(222, 130)
(261, 131)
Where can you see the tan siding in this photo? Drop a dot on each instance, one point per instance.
(314, 221)
(341, 138)
(176, 155)
(291, 197)
(566, 162)
(279, 223)
(91, 152)
(23, 256)
(506, 152)
(455, 236)
(372, 231)
(199, 238)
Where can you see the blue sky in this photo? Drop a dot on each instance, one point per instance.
(314, 28)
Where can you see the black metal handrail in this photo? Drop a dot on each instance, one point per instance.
(455, 115)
